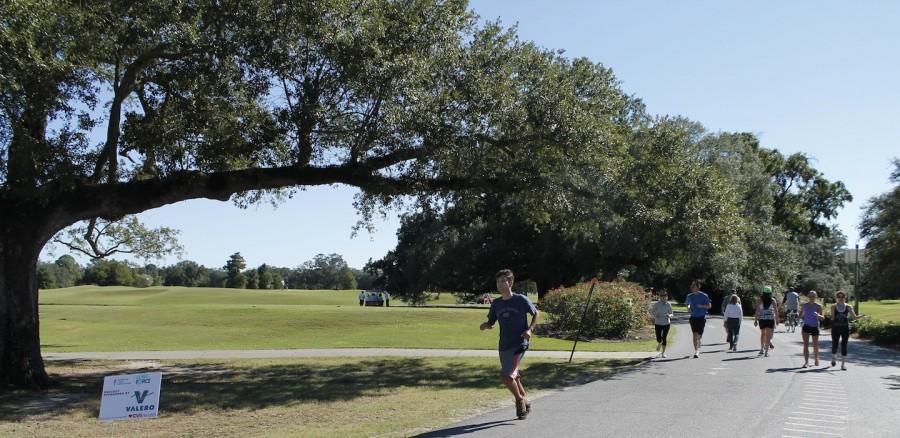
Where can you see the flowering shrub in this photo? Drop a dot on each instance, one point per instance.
(616, 309)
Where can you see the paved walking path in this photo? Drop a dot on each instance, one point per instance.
(330, 352)
(719, 394)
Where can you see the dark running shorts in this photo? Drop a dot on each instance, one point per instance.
(766, 323)
(510, 360)
(698, 323)
(811, 330)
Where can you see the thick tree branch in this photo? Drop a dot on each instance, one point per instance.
(122, 88)
(112, 201)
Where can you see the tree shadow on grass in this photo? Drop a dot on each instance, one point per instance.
(192, 388)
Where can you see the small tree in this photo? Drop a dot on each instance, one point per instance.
(234, 268)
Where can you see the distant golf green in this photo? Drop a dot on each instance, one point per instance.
(886, 310)
(90, 318)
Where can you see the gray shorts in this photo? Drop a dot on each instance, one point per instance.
(510, 361)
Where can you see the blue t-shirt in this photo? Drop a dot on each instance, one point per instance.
(513, 317)
(695, 299)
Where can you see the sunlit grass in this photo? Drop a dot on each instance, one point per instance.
(128, 319)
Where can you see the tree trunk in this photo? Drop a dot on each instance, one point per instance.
(21, 364)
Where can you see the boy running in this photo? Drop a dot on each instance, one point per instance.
(515, 333)
(698, 303)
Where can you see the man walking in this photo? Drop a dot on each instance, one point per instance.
(515, 334)
(698, 303)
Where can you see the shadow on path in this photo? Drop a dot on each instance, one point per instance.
(730, 359)
(467, 429)
(893, 382)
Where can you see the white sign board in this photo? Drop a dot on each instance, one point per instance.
(129, 396)
(851, 254)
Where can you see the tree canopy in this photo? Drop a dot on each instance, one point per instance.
(881, 226)
(111, 108)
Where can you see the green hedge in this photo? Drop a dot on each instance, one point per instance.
(880, 332)
(616, 309)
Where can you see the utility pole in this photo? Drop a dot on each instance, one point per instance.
(856, 287)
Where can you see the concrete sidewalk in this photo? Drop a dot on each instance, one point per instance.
(331, 352)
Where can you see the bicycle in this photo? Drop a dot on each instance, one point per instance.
(792, 321)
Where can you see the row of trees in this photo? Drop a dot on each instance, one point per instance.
(881, 226)
(679, 203)
(322, 272)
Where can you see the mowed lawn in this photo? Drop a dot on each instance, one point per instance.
(90, 318)
(345, 397)
(886, 310)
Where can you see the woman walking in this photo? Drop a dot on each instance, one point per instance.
(766, 318)
(811, 314)
(733, 315)
(840, 328)
(661, 311)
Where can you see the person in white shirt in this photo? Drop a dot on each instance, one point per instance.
(387, 299)
(734, 314)
(362, 297)
(661, 311)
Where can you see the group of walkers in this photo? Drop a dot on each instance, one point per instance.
(765, 317)
(511, 310)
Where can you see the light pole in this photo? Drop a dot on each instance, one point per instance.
(856, 287)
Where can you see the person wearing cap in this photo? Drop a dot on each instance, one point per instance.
(766, 318)
(792, 302)
(661, 312)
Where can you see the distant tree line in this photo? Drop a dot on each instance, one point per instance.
(324, 271)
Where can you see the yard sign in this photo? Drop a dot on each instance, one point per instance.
(129, 396)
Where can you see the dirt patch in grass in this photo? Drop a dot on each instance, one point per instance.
(287, 397)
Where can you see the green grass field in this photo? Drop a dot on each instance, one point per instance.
(886, 310)
(346, 397)
(90, 318)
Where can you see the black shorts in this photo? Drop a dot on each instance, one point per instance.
(698, 323)
(766, 323)
(811, 330)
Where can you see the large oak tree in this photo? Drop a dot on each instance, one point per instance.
(110, 108)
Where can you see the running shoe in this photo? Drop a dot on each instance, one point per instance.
(761, 351)
(843, 367)
(658, 346)
(771, 345)
(664, 355)
(833, 362)
(521, 409)
(805, 365)
(817, 362)
(767, 353)
(696, 354)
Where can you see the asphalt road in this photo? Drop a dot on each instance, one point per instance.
(719, 394)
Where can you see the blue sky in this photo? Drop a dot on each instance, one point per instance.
(819, 77)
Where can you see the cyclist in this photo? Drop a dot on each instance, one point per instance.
(792, 306)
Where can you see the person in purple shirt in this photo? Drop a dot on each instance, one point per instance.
(811, 313)
(512, 310)
(698, 303)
